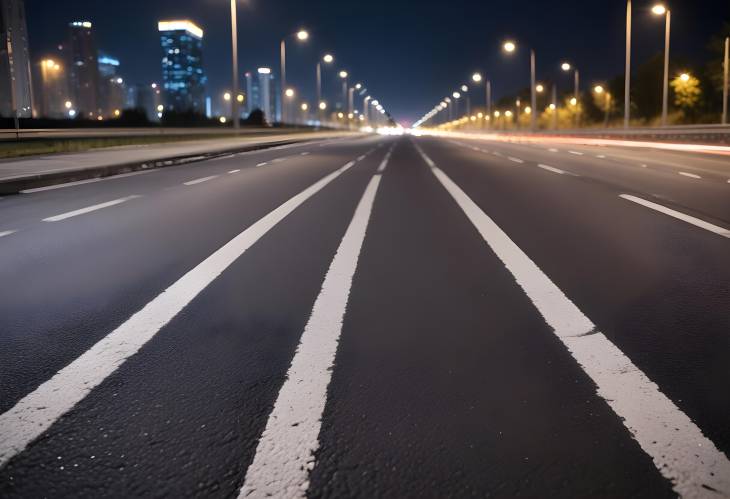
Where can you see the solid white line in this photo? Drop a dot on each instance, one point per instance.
(576, 153)
(262, 164)
(60, 186)
(82, 182)
(89, 209)
(285, 452)
(690, 175)
(37, 411)
(234, 171)
(428, 160)
(678, 215)
(552, 169)
(360, 158)
(516, 160)
(680, 451)
(201, 180)
(7, 233)
(384, 163)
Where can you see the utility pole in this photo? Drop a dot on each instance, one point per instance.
(726, 72)
(234, 45)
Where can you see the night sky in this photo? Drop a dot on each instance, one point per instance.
(410, 54)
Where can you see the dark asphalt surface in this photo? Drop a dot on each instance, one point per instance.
(447, 382)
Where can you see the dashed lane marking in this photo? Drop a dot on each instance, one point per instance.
(89, 209)
(721, 231)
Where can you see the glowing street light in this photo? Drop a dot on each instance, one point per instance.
(684, 77)
(289, 93)
(598, 89)
(476, 77)
(509, 47)
(565, 66)
(343, 74)
(464, 88)
(304, 106)
(240, 98)
(456, 95)
(322, 106)
(539, 88)
(227, 96)
(302, 36)
(661, 10)
(327, 59)
(68, 104)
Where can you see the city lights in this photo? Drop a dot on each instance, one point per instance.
(598, 89)
(188, 26)
(240, 98)
(684, 77)
(222, 119)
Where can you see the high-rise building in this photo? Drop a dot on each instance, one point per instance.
(83, 69)
(182, 66)
(15, 79)
(267, 94)
(51, 89)
(112, 91)
(252, 93)
(147, 97)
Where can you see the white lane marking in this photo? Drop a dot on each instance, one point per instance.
(553, 150)
(305, 153)
(82, 182)
(234, 171)
(201, 180)
(681, 453)
(552, 169)
(227, 156)
(61, 186)
(576, 153)
(262, 164)
(285, 452)
(384, 163)
(37, 411)
(360, 158)
(690, 175)
(516, 160)
(89, 209)
(601, 156)
(7, 232)
(678, 215)
(279, 160)
(428, 160)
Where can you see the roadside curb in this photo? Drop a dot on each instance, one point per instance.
(18, 184)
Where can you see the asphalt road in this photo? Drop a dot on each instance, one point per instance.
(372, 317)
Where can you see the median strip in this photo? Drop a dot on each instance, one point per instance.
(89, 209)
(721, 231)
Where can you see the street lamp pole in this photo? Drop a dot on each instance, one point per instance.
(489, 101)
(661, 10)
(726, 74)
(283, 78)
(665, 101)
(627, 82)
(533, 121)
(234, 46)
(319, 89)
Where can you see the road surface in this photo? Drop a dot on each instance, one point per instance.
(372, 317)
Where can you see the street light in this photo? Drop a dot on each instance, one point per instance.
(476, 77)
(302, 36)
(234, 51)
(566, 66)
(227, 96)
(661, 10)
(327, 59)
(289, 93)
(343, 76)
(510, 47)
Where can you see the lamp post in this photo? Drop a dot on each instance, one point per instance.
(627, 81)
(343, 76)
(302, 36)
(661, 10)
(456, 96)
(566, 66)
(234, 47)
(327, 59)
(509, 47)
(465, 89)
(726, 73)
